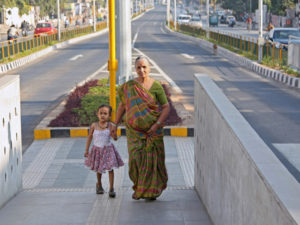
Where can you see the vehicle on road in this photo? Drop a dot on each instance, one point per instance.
(184, 19)
(223, 19)
(279, 36)
(213, 20)
(24, 28)
(231, 22)
(196, 22)
(44, 29)
(230, 18)
(12, 33)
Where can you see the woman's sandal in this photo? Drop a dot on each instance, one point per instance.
(150, 199)
(99, 190)
(134, 197)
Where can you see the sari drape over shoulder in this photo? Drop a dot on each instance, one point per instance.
(146, 153)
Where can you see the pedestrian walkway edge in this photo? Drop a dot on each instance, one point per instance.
(63, 132)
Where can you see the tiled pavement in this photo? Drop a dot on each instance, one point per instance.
(59, 190)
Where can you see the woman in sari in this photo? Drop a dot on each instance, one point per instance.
(145, 105)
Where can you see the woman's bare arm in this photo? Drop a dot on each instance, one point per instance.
(163, 116)
(119, 114)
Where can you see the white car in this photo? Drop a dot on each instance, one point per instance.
(183, 19)
(196, 22)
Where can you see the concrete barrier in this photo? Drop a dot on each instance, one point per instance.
(10, 138)
(239, 179)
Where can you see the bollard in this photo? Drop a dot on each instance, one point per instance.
(3, 55)
(273, 55)
(280, 54)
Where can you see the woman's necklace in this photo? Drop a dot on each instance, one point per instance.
(103, 127)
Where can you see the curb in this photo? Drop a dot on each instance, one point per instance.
(252, 65)
(65, 132)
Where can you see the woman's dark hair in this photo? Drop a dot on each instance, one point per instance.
(107, 106)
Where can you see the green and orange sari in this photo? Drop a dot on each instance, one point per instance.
(147, 168)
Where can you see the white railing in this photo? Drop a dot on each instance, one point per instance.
(10, 138)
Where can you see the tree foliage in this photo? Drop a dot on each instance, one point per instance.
(47, 7)
(23, 5)
(274, 6)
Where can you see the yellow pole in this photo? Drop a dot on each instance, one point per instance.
(112, 62)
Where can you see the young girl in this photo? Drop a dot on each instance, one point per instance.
(103, 156)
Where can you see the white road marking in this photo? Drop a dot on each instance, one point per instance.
(168, 79)
(134, 39)
(187, 56)
(162, 30)
(76, 57)
(246, 110)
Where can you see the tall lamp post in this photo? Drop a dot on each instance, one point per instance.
(260, 31)
(207, 20)
(168, 12)
(175, 16)
(94, 15)
(58, 20)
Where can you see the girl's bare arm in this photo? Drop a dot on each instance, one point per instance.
(89, 140)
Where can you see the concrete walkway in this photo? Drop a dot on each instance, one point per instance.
(58, 189)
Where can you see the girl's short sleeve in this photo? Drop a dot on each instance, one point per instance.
(160, 93)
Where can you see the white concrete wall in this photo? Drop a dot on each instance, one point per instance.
(239, 179)
(10, 138)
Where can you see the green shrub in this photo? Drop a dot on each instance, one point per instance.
(96, 96)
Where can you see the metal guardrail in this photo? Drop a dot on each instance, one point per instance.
(12, 48)
(243, 44)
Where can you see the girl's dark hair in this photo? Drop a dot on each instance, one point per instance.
(105, 105)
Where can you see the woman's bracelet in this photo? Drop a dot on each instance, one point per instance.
(114, 124)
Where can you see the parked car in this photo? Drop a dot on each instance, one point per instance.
(280, 36)
(44, 29)
(196, 22)
(184, 19)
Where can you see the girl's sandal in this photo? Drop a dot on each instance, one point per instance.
(112, 193)
(99, 190)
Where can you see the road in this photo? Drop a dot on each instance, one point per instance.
(272, 109)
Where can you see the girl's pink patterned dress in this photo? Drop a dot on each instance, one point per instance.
(103, 156)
